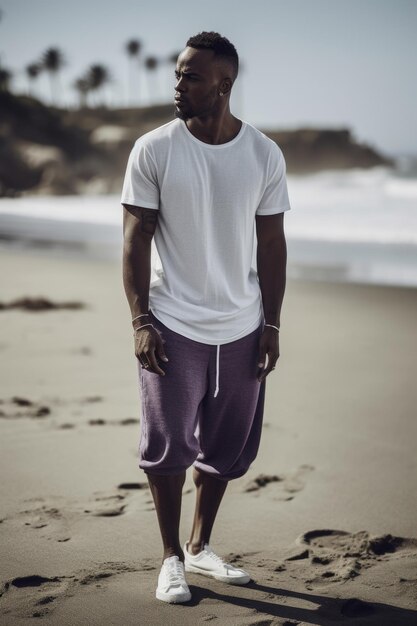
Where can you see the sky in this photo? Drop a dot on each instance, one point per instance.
(304, 63)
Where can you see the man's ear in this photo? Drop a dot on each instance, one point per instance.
(226, 86)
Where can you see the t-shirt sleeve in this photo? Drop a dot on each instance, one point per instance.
(275, 197)
(140, 186)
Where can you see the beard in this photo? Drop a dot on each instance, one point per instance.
(202, 110)
(182, 115)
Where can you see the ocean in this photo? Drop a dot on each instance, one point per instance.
(349, 226)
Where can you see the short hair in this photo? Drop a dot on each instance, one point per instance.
(222, 48)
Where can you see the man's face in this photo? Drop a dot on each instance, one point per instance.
(198, 78)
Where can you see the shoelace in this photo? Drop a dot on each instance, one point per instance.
(214, 556)
(175, 573)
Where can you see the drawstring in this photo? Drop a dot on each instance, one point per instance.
(217, 371)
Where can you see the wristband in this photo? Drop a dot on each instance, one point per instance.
(143, 326)
(138, 316)
(276, 327)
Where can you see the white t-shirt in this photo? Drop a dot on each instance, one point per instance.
(207, 287)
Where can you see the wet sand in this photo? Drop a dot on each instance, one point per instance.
(324, 520)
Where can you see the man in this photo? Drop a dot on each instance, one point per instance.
(206, 330)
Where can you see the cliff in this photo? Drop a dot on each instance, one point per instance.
(310, 150)
(45, 150)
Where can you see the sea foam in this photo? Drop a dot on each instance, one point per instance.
(355, 224)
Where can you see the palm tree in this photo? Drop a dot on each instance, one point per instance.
(32, 70)
(238, 93)
(151, 64)
(171, 62)
(5, 78)
(173, 57)
(133, 48)
(83, 87)
(53, 61)
(97, 77)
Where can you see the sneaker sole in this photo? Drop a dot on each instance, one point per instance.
(173, 599)
(224, 579)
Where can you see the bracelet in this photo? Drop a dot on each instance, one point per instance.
(142, 315)
(143, 326)
(272, 326)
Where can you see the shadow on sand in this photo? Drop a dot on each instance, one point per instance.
(329, 610)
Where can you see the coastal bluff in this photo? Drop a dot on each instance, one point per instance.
(52, 151)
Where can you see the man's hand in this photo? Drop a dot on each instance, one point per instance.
(148, 347)
(268, 345)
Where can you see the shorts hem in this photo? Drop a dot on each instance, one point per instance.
(223, 477)
(164, 472)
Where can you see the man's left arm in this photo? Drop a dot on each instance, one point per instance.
(271, 266)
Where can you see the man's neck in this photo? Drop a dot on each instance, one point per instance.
(216, 130)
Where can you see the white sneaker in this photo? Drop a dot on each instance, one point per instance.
(172, 586)
(208, 563)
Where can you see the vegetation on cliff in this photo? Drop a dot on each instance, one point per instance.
(47, 150)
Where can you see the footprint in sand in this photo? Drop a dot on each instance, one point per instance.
(107, 506)
(288, 484)
(91, 399)
(336, 556)
(54, 517)
(32, 595)
(18, 406)
(134, 486)
(127, 421)
(261, 481)
(50, 518)
(112, 505)
(38, 596)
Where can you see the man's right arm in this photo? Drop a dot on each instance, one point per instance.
(139, 225)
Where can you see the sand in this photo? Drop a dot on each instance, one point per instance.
(325, 519)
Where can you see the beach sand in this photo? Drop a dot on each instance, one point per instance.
(325, 520)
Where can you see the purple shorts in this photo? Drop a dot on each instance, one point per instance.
(206, 411)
